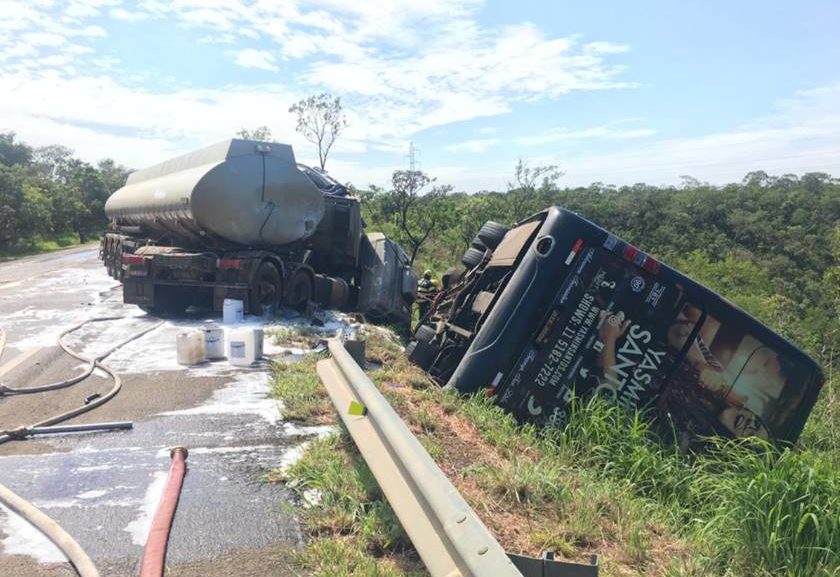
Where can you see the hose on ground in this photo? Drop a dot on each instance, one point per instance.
(154, 553)
(35, 517)
(6, 390)
(23, 432)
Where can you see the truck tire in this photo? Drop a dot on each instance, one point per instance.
(425, 333)
(266, 290)
(472, 258)
(300, 290)
(491, 234)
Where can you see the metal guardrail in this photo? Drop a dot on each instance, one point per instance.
(450, 538)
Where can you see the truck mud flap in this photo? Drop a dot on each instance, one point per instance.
(138, 293)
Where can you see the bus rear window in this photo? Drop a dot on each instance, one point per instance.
(731, 383)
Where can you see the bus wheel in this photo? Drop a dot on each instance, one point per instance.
(491, 234)
(472, 258)
(266, 290)
(299, 291)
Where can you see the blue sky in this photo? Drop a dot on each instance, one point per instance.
(618, 92)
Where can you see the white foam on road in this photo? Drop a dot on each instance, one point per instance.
(140, 526)
(247, 394)
(24, 539)
(94, 494)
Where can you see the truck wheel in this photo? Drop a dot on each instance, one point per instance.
(472, 258)
(300, 290)
(491, 234)
(266, 290)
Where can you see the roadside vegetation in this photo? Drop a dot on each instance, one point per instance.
(605, 485)
(49, 199)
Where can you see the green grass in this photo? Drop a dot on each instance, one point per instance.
(303, 396)
(354, 531)
(605, 484)
(752, 509)
(41, 245)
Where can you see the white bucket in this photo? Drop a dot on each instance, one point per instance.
(190, 348)
(214, 342)
(242, 346)
(233, 311)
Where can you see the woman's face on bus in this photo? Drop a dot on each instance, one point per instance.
(742, 422)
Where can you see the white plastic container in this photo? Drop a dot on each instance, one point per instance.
(233, 311)
(214, 342)
(190, 347)
(242, 346)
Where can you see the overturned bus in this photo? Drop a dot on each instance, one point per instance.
(557, 307)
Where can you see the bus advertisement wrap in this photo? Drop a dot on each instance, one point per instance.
(615, 330)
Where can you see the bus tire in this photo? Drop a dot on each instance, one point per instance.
(491, 234)
(472, 258)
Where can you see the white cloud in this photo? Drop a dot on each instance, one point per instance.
(475, 146)
(138, 127)
(44, 39)
(123, 14)
(251, 58)
(607, 131)
(401, 66)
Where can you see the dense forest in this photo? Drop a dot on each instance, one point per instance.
(770, 244)
(47, 195)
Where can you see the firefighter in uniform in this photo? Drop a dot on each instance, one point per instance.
(426, 289)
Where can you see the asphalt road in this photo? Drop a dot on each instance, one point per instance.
(103, 487)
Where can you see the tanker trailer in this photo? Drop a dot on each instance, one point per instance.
(241, 219)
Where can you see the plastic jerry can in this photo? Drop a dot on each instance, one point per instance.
(242, 347)
(190, 348)
(214, 342)
(233, 311)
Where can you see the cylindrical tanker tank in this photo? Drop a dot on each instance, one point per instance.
(241, 191)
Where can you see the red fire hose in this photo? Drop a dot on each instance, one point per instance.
(154, 554)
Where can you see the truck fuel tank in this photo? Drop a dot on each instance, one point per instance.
(243, 192)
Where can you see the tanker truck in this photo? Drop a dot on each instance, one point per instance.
(242, 219)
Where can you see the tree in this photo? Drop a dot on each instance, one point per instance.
(522, 190)
(320, 120)
(417, 216)
(113, 175)
(52, 161)
(259, 133)
(12, 152)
